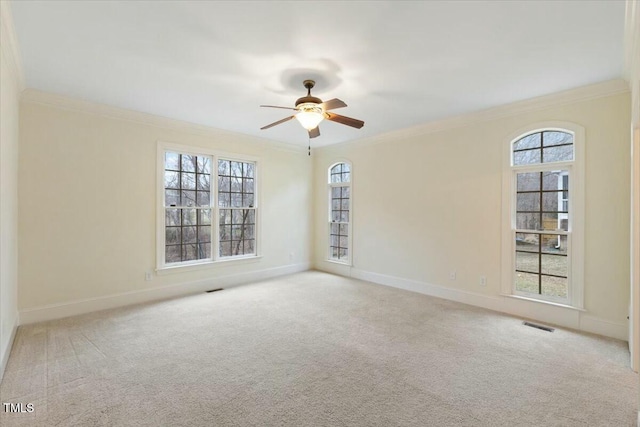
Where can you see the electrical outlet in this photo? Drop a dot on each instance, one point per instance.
(452, 275)
(483, 280)
(148, 276)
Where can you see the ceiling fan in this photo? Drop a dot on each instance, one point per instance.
(311, 111)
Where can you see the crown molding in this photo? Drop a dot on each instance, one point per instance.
(10, 47)
(78, 105)
(583, 93)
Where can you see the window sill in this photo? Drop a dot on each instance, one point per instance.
(206, 265)
(556, 304)
(333, 261)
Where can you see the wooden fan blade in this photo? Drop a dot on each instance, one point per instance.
(275, 106)
(315, 132)
(332, 104)
(277, 123)
(355, 123)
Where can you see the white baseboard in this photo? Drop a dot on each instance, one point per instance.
(553, 314)
(72, 308)
(6, 352)
(603, 327)
(492, 303)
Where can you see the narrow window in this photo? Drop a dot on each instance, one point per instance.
(542, 217)
(339, 212)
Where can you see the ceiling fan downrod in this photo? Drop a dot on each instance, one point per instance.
(309, 84)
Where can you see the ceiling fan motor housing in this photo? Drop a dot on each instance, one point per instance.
(308, 100)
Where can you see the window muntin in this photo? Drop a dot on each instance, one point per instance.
(339, 212)
(209, 213)
(541, 216)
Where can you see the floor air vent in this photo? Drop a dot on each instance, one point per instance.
(533, 325)
(215, 290)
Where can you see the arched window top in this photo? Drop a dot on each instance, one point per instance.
(340, 172)
(544, 146)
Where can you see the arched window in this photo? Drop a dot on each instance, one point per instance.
(340, 212)
(545, 187)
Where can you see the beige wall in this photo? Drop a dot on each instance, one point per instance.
(425, 205)
(88, 205)
(9, 102)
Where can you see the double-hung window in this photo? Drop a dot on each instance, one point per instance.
(208, 207)
(545, 192)
(340, 212)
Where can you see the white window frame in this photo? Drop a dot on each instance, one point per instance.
(161, 265)
(349, 258)
(575, 281)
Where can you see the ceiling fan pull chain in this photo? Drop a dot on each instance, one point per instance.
(309, 146)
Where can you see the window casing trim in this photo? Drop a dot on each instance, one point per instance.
(349, 260)
(162, 267)
(575, 297)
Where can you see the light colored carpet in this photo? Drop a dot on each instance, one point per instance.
(313, 349)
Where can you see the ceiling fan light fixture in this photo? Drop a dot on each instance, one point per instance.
(310, 115)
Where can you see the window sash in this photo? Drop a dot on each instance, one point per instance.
(566, 169)
(339, 242)
(188, 232)
(231, 227)
(542, 271)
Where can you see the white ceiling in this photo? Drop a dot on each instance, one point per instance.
(396, 64)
